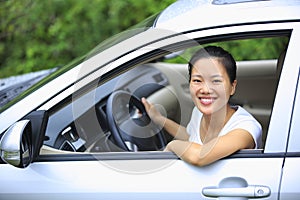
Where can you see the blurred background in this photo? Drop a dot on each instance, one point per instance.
(43, 34)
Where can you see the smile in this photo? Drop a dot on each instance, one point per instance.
(207, 100)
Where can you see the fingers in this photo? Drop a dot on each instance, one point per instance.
(153, 113)
(144, 101)
(150, 109)
(146, 104)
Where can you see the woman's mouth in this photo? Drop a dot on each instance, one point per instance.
(206, 100)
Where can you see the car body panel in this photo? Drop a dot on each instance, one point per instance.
(98, 177)
(289, 186)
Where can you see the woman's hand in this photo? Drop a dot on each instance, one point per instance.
(173, 128)
(153, 113)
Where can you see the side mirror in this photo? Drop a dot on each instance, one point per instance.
(16, 144)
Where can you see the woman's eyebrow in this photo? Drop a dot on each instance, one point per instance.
(217, 76)
(196, 75)
(212, 76)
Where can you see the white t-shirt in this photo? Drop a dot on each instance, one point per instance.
(241, 119)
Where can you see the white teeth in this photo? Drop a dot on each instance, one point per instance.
(206, 100)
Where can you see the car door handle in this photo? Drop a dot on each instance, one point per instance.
(254, 191)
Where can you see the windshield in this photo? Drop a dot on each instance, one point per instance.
(21, 89)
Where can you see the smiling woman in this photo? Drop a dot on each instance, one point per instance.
(215, 125)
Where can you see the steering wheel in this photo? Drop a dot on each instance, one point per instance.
(130, 126)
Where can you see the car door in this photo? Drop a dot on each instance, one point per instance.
(58, 173)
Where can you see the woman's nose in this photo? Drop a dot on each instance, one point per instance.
(205, 89)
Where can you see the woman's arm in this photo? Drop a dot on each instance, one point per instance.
(173, 128)
(214, 150)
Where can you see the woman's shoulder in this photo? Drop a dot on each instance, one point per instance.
(240, 111)
(242, 115)
(245, 120)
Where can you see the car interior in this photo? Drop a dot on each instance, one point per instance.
(109, 117)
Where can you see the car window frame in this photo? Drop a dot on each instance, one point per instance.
(281, 119)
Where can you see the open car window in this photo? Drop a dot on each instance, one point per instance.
(83, 122)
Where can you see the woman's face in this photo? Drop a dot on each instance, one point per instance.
(210, 86)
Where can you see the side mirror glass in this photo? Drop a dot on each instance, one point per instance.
(16, 144)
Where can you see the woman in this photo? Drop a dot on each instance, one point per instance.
(216, 128)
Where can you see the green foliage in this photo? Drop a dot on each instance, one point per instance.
(247, 49)
(39, 34)
(257, 48)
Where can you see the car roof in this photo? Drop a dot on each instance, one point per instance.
(184, 14)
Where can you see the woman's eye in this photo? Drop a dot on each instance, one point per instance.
(217, 81)
(196, 81)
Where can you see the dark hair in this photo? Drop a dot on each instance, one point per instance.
(223, 56)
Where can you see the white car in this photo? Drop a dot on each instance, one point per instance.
(77, 133)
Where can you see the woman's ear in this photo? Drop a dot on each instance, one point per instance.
(233, 86)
